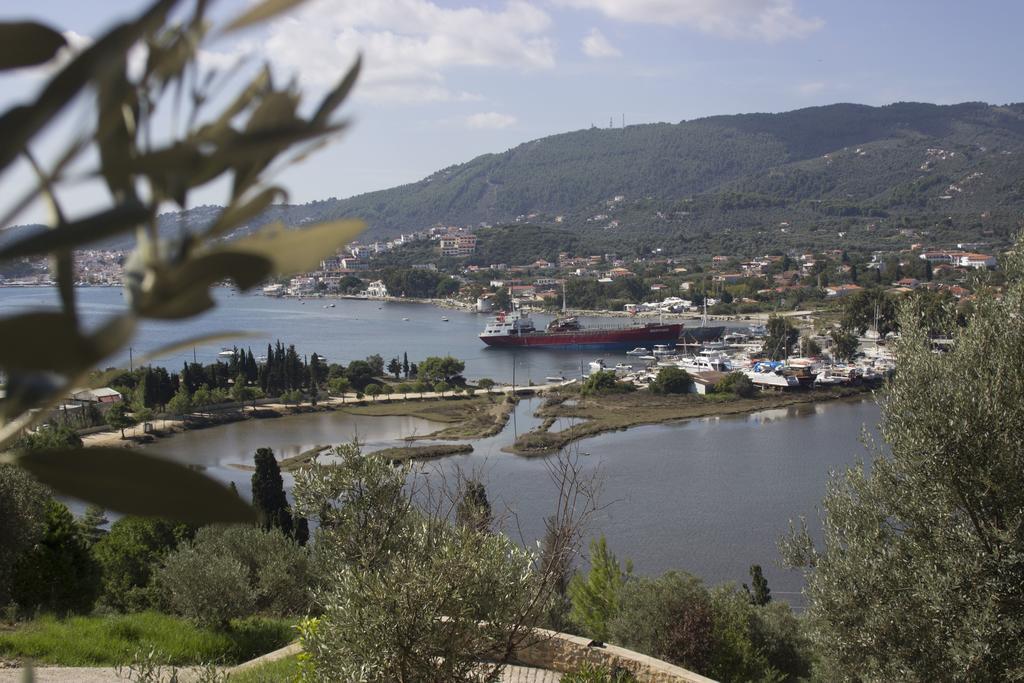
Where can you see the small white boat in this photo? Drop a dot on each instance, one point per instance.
(662, 350)
(226, 353)
(331, 306)
(597, 365)
(555, 379)
(444, 318)
(638, 351)
(623, 369)
(405, 319)
(826, 378)
(648, 358)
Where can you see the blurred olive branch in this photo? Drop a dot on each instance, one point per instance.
(45, 353)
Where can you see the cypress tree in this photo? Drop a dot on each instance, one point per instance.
(758, 591)
(301, 530)
(268, 493)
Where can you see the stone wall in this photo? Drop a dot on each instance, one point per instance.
(563, 652)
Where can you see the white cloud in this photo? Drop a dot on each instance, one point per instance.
(490, 120)
(810, 88)
(768, 20)
(596, 45)
(408, 45)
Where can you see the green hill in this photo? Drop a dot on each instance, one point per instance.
(905, 159)
(733, 180)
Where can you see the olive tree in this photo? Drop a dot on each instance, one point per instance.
(235, 571)
(919, 573)
(406, 595)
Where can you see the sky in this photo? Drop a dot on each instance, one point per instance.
(445, 81)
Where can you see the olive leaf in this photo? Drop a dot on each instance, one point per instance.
(338, 95)
(134, 483)
(295, 250)
(52, 342)
(20, 124)
(27, 43)
(183, 290)
(260, 13)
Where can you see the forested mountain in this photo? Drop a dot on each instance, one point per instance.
(838, 168)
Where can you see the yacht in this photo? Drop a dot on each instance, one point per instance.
(638, 351)
(662, 350)
(226, 354)
(708, 360)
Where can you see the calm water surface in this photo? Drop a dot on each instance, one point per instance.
(710, 496)
(352, 330)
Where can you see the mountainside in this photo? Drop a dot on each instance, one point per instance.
(903, 157)
(835, 166)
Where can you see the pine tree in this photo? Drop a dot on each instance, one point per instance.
(268, 493)
(595, 599)
(91, 524)
(405, 364)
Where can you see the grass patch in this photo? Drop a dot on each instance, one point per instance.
(467, 418)
(286, 669)
(403, 453)
(297, 461)
(621, 411)
(114, 639)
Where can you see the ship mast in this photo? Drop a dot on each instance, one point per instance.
(563, 296)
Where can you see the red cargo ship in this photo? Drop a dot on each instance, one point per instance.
(515, 329)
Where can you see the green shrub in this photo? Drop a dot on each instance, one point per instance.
(128, 556)
(672, 381)
(717, 633)
(736, 383)
(604, 382)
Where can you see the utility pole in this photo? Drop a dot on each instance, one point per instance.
(131, 365)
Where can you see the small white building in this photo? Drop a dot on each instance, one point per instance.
(101, 395)
(376, 289)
